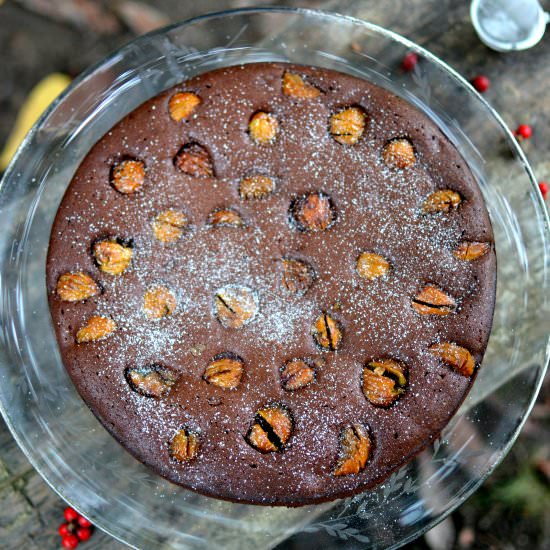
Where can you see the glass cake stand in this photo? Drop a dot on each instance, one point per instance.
(89, 469)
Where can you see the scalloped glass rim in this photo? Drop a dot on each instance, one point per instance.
(312, 16)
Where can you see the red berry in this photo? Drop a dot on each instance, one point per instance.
(481, 83)
(83, 522)
(409, 62)
(544, 188)
(70, 514)
(64, 529)
(83, 533)
(69, 541)
(524, 131)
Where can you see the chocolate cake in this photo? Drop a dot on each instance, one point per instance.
(272, 283)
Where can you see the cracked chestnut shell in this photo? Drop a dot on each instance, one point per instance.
(327, 332)
(168, 225)
(96, 328)
(295, 86)
(312, 212)
(235, 305)
(112, 255)
(443, 200)
(225, 370)
(371, 266)
(263, 128)
(431, 300)
(297, 374)
(151, 380)
(158, 302)
(257, 186)
(225, 217)
(471, 250)
(457, 357)
(76, 286)
(194, 160)
(182, 105)
(348, 125)
(128, 176)
(297, 276)
(399, 153)
(355, 448)
(384, 380)
(184, 445)
(271, 429)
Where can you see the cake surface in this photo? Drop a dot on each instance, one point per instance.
(273, 283)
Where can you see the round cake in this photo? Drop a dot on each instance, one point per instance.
(273, 283)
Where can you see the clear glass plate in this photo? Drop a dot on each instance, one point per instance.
(89, 469)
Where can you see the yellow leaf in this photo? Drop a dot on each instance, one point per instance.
(36, 103)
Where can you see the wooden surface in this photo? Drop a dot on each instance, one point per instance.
(30, 511)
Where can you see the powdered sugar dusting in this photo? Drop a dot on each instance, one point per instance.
(378, 209)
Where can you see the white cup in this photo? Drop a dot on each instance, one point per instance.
(508, 25)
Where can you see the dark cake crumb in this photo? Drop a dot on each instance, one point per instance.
(273, 284)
